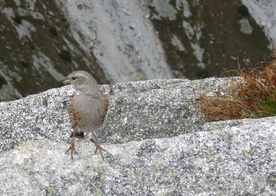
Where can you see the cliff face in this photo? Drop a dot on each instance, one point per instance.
(121, 40)
(37, 48)
(209, 38)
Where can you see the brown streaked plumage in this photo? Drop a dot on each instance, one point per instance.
(88, 108)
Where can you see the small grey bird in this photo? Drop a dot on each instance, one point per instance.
(88, 108)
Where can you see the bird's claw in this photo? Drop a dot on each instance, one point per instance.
(72, 151)
(98, 147)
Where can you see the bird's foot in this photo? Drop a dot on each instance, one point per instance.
(98, 146)
(72, 148)
(72, 151)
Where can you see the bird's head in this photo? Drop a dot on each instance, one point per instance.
(83, 82)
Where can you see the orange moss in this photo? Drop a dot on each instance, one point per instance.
(253, 97)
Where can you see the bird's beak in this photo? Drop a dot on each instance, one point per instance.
(66, 81)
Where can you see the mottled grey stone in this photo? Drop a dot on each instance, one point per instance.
(157, 143)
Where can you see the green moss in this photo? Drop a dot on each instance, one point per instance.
(25, 64)
(271, 151)
(174, 174)
(269, 106)
(243, 10)
(211, 158)
(65, 55)
(47, 97)
(99, 192)
(246, 154)
(202, 74)
(140, 76)
(103, 177)
(148, 87)
(52, 191)
(17, 18)
(3, 81)
(53, 30)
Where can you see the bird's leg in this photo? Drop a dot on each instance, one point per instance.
(72, 145)
(97, 144)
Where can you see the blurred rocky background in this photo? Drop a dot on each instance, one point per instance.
(120, 40)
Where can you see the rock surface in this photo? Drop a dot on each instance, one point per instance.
(157, 142)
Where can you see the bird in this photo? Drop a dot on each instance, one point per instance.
(88, 108)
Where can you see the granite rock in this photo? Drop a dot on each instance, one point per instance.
(157, 143)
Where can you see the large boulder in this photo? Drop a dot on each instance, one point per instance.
(158, 143)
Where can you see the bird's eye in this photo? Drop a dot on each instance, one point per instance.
(74, 78)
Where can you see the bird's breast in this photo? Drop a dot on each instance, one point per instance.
(87, 112)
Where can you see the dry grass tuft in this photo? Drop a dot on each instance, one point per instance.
(253, 97)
